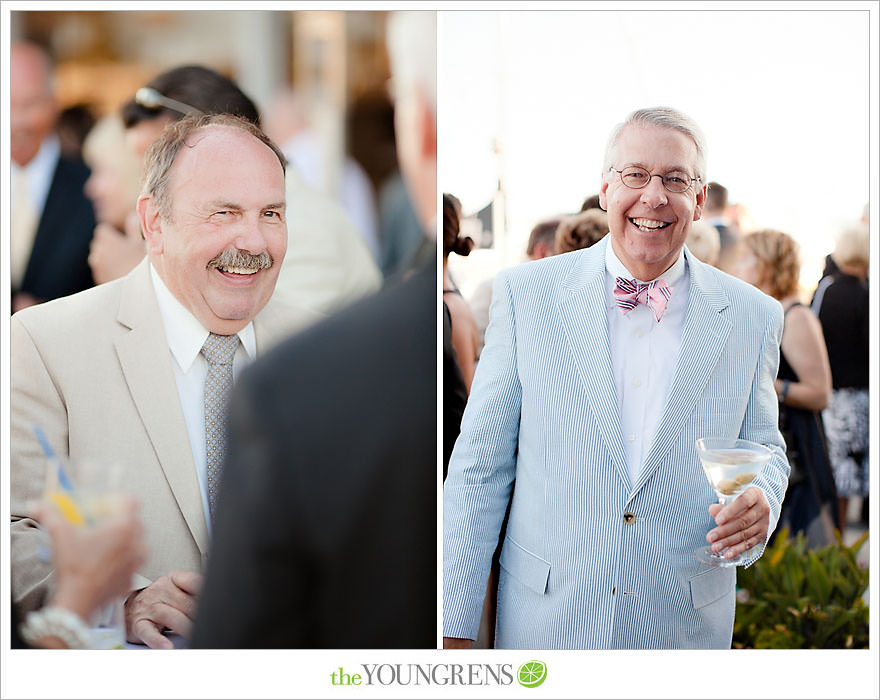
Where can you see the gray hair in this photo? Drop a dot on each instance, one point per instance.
(163, 151)
(412, 47)
(667, 118)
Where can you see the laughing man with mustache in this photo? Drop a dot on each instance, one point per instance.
(115, 375)
(591, 397)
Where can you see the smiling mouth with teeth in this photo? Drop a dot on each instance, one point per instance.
(238, 270)
(649, 224)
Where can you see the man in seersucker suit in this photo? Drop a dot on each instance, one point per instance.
(593, 406)
(115, 375)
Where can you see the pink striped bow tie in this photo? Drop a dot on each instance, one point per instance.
(629, 294)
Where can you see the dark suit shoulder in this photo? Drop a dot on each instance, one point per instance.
(377, 332)
(332, 452)
(58, 264)
(72, 170)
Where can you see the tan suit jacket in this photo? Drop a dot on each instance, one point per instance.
(95, 372)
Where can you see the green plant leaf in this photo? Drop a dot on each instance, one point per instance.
(794, 597)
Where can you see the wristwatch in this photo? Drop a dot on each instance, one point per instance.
(53, 621)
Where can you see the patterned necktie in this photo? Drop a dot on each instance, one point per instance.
(629, 294)
(218, 351)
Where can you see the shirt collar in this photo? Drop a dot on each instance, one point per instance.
(186, 335)
(41, 170)
(615, 268)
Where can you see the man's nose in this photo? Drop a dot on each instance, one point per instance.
(249, 236)
(654, 193)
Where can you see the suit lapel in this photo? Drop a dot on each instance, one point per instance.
(154, 391)
(703, 338)
(585, 324)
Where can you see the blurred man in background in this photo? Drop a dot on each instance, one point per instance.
(52, 220)
(728, 233)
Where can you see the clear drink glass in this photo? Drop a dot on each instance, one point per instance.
(86, 497)
(730, 466)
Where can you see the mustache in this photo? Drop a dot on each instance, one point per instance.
(240, 258)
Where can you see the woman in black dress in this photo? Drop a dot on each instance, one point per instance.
(842, 309)
(770, 261)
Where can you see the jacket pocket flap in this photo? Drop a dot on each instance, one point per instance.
(709, 586)
(527, 568)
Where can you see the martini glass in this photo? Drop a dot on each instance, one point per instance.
(730, 466)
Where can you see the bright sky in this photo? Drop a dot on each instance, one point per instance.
(781, 95)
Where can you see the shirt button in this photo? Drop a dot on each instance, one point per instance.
(631, 438)
(629, 518)
(639, 334)
(637, 382)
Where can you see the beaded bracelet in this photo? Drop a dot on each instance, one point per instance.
(58, 622)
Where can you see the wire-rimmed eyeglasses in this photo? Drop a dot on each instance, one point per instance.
(637, 178)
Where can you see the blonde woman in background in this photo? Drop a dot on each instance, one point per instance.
(113, 187)
(580, 231)
(704, 241)
(770, 261)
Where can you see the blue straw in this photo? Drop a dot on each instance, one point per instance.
(63, 479)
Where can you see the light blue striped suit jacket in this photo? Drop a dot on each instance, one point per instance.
(576, 573)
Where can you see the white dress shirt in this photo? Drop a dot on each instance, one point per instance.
(643, 357)
(41, 171)
(186, 336)
(33, 181)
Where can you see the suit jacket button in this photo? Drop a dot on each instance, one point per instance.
(629, 518)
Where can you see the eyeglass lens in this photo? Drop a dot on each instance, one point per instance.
(637, 178)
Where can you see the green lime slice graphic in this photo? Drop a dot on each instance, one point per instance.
(532, 673)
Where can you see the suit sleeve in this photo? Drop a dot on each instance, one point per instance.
(34, 400)
(481, 471)
(761, 423)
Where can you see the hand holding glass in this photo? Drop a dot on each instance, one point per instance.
(730, 466)
(113, 531)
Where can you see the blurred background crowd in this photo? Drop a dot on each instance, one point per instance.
(80, 126)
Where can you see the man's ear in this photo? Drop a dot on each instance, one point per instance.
(603, 198)
(701, 202)
(151, 224)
